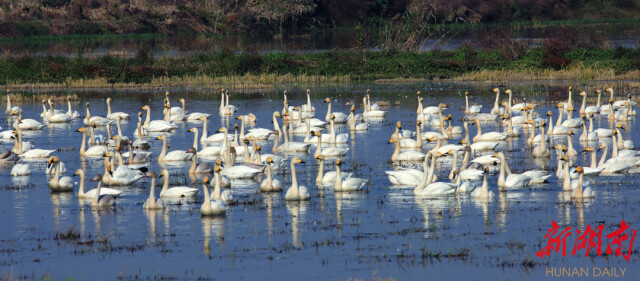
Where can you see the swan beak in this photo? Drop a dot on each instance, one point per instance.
(621, 128)
(301, 161)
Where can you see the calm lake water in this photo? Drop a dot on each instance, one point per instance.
(383, 232)
(617, 34)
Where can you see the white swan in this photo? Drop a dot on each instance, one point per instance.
(174, 155)
(328, 178)
(94, 120)
(211, 207)
(26, 124)
(114, 115)
(512, 180)
(411, 156)
(225, 107)
(58, 183)
(92, 193)
(10, 109)
(295, 192)
(152, 203)
(428, 187)
(338, 117)
(100, 200)
(483, 192)
(156, 125)
(474, 109)
(270, 184)
(93, 151)
(349, 184)
(31, 153)
(21, 170)
(53, 117)
(175, 191)
(490, 136)
(329, 151)
(579, 193)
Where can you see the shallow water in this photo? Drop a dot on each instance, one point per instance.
(382, 232)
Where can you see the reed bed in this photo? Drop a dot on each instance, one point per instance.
(247, 81)
(29, 97)
(571, 74)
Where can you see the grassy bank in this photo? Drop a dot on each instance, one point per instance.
(548, 62)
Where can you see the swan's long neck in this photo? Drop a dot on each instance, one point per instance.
(584, 103)
(86, 117)
(207, 201)
(590, 125)
(328, 117)
(543, 142)
(550, 130)
(338, 184)
(147, 120)
(466, 101)
(204, 130)
(222, 103)
(569, 101)
(120, 161)
(332, 136)
(119, 127)
(465, 161)
(569, 143)
(432, 169)
(509, 104)
(286, 135)
(130, 155)
(309, 103)
(195, 138)
(319, 146)
(81, 188)
(425, 176)
(242, 128)
(594, 160)
(216, 188)
(603, 157)
(247, 157)
(194, 163)
(183, 109)
(44, 110)
(84, 143)
(479, 133)
(97, 196)
(364, 104)
(496, 107)
(484, 192)
(320, 172)
(70, 111)
(165, 185)
(163, 152)
(269, 178)
(559, 121)
(8, 111)
(583, 136)
(578, 192)
(466, 132)
(294, 180)
(152, 190)
(226, 107)
(108, 107)
(396, 152)
(614, 151)
(620, 139)
(502, 175)
(276, 125)
(418, 137)
(454, 165)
